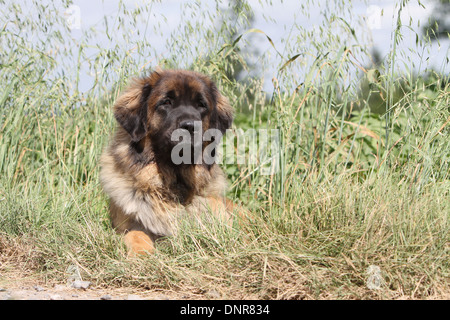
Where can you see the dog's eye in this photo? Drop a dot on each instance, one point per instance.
(164, 103)
(202, 105)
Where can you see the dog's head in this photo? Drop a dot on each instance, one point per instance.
(157, 105)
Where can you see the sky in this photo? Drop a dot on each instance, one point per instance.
(380, 16)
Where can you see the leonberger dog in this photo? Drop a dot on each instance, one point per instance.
(148, 193)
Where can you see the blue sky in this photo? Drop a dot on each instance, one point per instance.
(380, 16)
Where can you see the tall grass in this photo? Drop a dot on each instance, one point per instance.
(355, 187)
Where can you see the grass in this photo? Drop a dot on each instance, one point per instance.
(356, 186)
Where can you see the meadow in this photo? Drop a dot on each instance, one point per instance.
(364, 150)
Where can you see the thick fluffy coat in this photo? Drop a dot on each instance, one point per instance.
(149, 194)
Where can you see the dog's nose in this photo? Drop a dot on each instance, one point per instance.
(188, 125)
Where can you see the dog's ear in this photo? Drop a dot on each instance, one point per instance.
(130, 109)
(222, 115)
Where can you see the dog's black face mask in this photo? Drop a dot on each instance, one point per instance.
(169, 102)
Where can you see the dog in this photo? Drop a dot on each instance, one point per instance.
(148, 192)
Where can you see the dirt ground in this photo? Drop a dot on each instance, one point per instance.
(34, 290)
(61, 292)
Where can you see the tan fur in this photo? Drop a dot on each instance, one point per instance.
(138, 242)
(143, 200)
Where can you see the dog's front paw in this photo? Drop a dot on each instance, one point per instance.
(138, 243)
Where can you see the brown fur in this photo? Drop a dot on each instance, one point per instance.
(148, 193)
